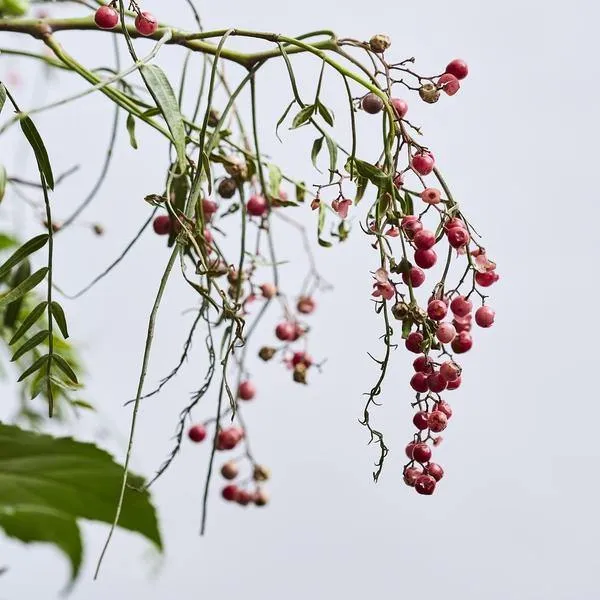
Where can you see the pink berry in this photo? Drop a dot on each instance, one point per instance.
(423, 163)
(162, 225)
(268, 290)
(400, 106)
(450, 371)
(458, 68)
(437, 310)
(414, 342)
(415, 275)
(458, 237)
(462, 343)
(431, 196)
(445, 333)
(229, 492)
(436, 383)
(418, 382)
(426, 258)
(454, 384)
(438, 421)
(197, 433)
(484, 316)
(306, 305)
(449, 83)
(257, 206)
(285, 331)
(425, 485)
(434, 470)
(243, 497)
(409, 449)
(421, 452)
(227, 439)
(298, 332)
(423, 364)
(420, 420)
(411, 474)
(461, 306)
(146, 23)
(461, 324)
(486, 279)
(411, 225)
(454, 222)
(424, 239)
(372, 103)
(444, 408)
(106, 17)
(301, 358)
(209, 207)
(247, 390)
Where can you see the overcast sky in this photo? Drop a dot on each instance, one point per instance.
(516, 515)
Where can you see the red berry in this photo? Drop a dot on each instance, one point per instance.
(243, 497)
(257, 206)
(437, 421)
(197, 433)
(229, 492)
(462, 324)
(409, 449)
(462, 343)
(423, 364)
(209, 207)
(411, 474)
(162, 225)
(425, 485)
(421, 452)
(450, 371)
(434, 470)
(449, 83)
(423, 163)
(424, 239)
(420, 420)
(458, 237)
(437, 310)
(285, 331)
(484, 316)
(486, 279)
(458, 68)
(411, 224)
(400, 106)
(106, 17)
(425, 258)
(454, 222)
(415, 275)
(230, 470)
(431, 196)
(306, 305)
(436, 383)
(445, 333)
(298, 332)
(301, 358)
(461, 306)
(418, 382)
(454, 384)
(247, 390)
(414, 342)
(227, 439)
(372, 103)
(444, 408)
(146, 23)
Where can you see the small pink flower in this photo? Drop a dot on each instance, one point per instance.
(383, 286)
(482, 263)
(393, 231)
(341, 207)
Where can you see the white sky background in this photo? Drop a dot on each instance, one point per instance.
(516, 515)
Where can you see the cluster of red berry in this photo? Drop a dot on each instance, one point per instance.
(107, 17)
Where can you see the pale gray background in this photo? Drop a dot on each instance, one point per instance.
(517, 515)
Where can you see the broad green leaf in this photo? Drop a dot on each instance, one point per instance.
(3, 179)
(2, 96)
(48, 484)
(35, 366)
(274, 180)
(316, 148)
(65, 367)
(131, 131)
(33, 245)
(361, 187)
(59, 316)
(159, 87)
(41, 155)
(332, 148)
(325, 113)
(31, 282)
(321, 226)
(31, 343)
(303, 116)
(282, 119)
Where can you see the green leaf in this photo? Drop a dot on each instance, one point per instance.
(274, 180)
(325, 113)
(36, 365)
(207, 171)
(31, 343)
(282, 119)
(83, 404)
(12, 311)
(408, 205)
(48, 484)
(7, 241)
(59, 316)
(27, 285)
(321, 226)
(316, 148)
(41, 155)
(159, 87)
(332, 148)
(151, 112)
(303, 116)
(300, 192)
(131, 130)
(3, 179)
(33, 245)
(2, 96)
(361, 187)
(65, 367)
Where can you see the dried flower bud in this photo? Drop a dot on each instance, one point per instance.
(400, 310)
(261, 498)
(236, 167)
(227, 188)
(380, 43)
(213, 118)
(55, 226)
(267, 353)
(98, 229)
(261, 473)
(300, 373)
(429, 93)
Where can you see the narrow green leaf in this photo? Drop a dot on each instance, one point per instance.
(303, 116)
(333, 153)
(7, 241)
(406, 327)
(30, 344)
(316, 148)
(300, 192)
(83, 404)
(131, 131)
(321, 226)
(282, 119)
(38, 364)
(65, 367)
(409, 208)
(41, 155)
(3, 179)
(207, 171)
(159, 87)
(12, 311)
(151, 112)
(31, 282)
(361, 187)
(2, 96)
(59, 316)
(33, 245)
(274, 180)
(325, 113)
